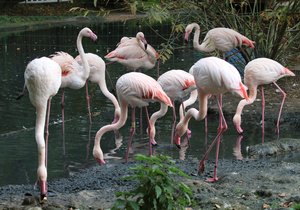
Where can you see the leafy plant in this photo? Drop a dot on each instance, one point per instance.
(157, 188)
(296, 206)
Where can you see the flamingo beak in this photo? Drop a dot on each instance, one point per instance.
(43, 186)
(100, 161)
(93, 37)
(186, 36)
(288, 72)
(145, 43)
(177, 141)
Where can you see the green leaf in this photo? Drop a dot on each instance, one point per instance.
(133, 205)
(157, 191)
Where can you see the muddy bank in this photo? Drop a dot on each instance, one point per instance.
(243, 184)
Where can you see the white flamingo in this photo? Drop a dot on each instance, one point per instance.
(177, 84)
(223, 39)
(74, 76)
(261, 71)
(213, 76)
(42, 79)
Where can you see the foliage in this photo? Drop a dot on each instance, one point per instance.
(296, 206)
(157, 186)
(273, 25)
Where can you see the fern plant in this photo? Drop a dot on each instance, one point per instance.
(157, 188)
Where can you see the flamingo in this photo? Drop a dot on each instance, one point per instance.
(223, 39)
(261, 71)
(177, 84)
(97, 75)
(42, 79)
(74, 75)
(213, 76)
(134, 53)
(133, 89)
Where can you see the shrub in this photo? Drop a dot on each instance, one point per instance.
(157, 188)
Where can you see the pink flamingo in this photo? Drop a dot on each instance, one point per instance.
(134, 53)
(177, 84)
(134, 89)
(42, 79)
(223, 39)
(74, 75)
(261, 71)
(213, 76)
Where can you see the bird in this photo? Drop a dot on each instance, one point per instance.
(260, 72)
(74, 76)
(97, 76)
(42, 79)
(177, 84)
(134, 53)
(133, 89)
(213, 76)
(223, 39)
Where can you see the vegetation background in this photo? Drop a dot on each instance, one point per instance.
(273, 24)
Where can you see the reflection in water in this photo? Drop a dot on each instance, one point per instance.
(237, 152)
(183, 147)
(113, 152)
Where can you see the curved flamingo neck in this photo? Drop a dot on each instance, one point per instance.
(191, 100)
(252, 96)
(203, 98)
(86, 67)
(111, 127)
(196, 44)
(160, 113)
(109, 95)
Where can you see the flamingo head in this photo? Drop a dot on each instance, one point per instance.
(186, 35)
(177, 140)
(88, 33)
(98, 155)
(100, 161)
(237, 123)
(140, 36)
(188, 30)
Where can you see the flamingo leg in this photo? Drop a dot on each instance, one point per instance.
(63, 110)
(221, 129)
(281, 106)
(43, 184)
(47, 130)
(88, 99)
(141, 121)
(262, 115)
(149, 129)
(174, 122)
(132, 131)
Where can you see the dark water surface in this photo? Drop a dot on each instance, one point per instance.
(68, 153)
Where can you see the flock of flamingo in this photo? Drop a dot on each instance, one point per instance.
(209, 76)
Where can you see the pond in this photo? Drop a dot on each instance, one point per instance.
(72, 150)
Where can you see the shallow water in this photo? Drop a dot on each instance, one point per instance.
(73, 150)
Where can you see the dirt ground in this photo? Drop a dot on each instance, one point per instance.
(262, 180)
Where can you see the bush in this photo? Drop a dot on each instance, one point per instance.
(157, 187)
